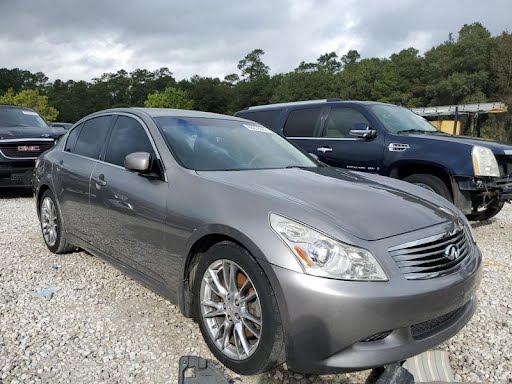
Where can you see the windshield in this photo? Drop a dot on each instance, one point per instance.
(207, 144)
(15, 117)
(401, 120)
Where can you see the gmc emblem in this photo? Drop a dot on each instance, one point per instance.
(28, 148)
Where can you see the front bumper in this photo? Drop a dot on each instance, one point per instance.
(16, 173)
(342, 326)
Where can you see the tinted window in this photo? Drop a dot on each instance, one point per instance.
(266, 118)
(92, 136)
(216, 144)
(302, 122)
(341, 121)
(73, 135)
(127, 136)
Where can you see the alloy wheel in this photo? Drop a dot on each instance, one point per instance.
(231, 309)
(49, 221)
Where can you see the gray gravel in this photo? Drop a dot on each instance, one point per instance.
(103, 327)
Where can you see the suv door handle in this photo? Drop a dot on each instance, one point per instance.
(324, 149)
(100, 180)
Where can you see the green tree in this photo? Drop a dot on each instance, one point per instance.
(32, 99)
(501, 65)
(170, 98)
(209, 94)
(252, 67)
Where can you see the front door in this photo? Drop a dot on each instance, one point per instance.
(73, 173)
(335, 145)
(129, 209)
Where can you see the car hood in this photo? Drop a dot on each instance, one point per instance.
(12, 133)
(496, 147)
(366, 206)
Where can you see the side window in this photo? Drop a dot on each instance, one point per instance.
(266, 118)
(73, 135)
(302, 122)
(127, 136)
(92, 136)
(341, 121)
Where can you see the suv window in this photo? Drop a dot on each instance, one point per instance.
(73, 135)
(127, 136)
(341, 121)
(266, 118)
(92, 136)
(302, 122)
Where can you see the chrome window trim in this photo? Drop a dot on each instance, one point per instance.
(324, 138)
(25, 139)
(115, 114)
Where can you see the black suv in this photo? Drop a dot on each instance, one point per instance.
(24, 135)
(474, 174)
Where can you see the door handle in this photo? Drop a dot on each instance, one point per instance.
(100, 180)
(59, 165)
(324, 149)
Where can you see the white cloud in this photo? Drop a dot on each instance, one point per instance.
(72, 39)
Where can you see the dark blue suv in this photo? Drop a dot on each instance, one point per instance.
(474, 174)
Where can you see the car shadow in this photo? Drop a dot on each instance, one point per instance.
(483, 223)
(15, 192)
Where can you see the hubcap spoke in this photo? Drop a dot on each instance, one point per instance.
(243, 339)
(249, 316)
(217, 286)
(251, 296)
(228, 329)
(251, 328)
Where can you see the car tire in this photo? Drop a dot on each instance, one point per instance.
(432, 183)
(265, 352)
(52, 228)
(490, 212)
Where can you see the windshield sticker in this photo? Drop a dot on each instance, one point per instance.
(31, 113)
(257, 128)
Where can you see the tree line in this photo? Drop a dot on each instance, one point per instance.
(472, 67)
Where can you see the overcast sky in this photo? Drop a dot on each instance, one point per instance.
(81, 39)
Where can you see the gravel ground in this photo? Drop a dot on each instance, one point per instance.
(103, 327)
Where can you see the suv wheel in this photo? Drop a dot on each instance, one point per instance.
(237, 310)
(432, 183)
(490, 212)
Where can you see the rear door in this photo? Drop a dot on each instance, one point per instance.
(336, 147)
(129, 209)
(74, 169)
(303, 125)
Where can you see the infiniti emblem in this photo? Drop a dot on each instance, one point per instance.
(451, 252)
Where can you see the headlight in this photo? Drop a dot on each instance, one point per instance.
(323, 256)
(484, 162)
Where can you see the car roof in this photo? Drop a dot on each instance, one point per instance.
(164, 112)
(309, 102)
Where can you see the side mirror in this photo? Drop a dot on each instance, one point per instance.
(363, 131)
(137, 161)
(314, 156)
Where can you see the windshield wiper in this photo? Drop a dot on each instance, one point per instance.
(412, 131)
(17, 125)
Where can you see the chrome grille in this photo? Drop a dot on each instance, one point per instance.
(24, 149)
(433, 256)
